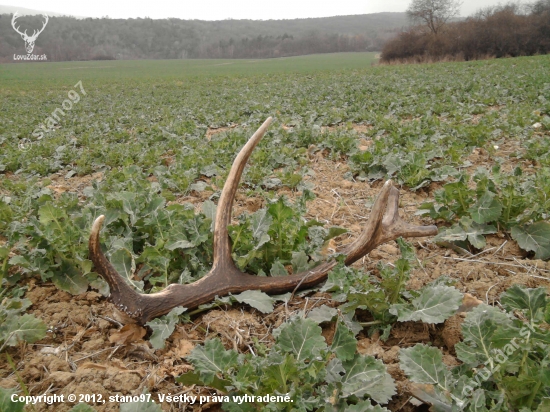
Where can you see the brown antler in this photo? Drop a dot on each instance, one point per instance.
(383, 225)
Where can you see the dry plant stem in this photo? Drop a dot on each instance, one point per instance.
(383, 225)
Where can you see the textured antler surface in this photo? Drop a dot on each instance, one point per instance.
(383, 225)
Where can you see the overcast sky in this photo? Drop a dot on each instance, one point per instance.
(224, 9)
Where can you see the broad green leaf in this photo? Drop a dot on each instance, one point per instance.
(486, 209)
(469, 230)
(299, 262)
(366, 375)
(226, 300)
(22, 328)
(197, 231)
(353, 325)
(518, 387)
(301, 337)
(339, 279)
(173, 244)
(335, 231)
(278, 269)
(478, 329)
(530, 301)
(176, 238)
(317, 235)
(344, 343)
(424, 364)
(50, 213)
(85, 265)
(209, 209)
(199, 186)
(163, 327)
(279, 377)
(193, 378)
(260, 223)
(365, 406)
(435, 396)
(209, 170)
(475, 232)
(535, 238)
(544, 405)
(322, 313)
(257, 299)
(6, 212)
(452, 234)
(154, 259)
(130, 205)
(124, 263)
(280, 212)
(374, 300)
(154, 205)
(247, 375)
(538, 372)
(212, 359)
(335, 370)
(4, 253)
(14, 306)
(69, 278)
(503, 335)
(434, 304)
(477, 403)
(406, 249)
(6, 405)
(272, 182)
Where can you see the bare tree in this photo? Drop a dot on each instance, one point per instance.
(433, 13)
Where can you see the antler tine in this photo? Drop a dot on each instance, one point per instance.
(384, 224)
(367, 239)
(222, 248)
(121, 293)
(394, 226)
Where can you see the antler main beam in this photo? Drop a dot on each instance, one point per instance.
(383, 225)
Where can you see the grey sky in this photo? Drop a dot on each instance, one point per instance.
(224, 9)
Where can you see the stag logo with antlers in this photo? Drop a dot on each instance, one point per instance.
(29, 40)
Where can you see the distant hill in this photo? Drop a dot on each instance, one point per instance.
(69, 38)
(355, 24)
(27, 12)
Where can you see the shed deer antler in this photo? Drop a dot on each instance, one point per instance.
(383, 225)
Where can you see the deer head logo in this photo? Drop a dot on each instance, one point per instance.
(29, 40)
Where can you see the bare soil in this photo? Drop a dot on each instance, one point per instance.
(87, 351)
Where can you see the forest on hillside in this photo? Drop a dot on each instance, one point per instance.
(68, 38)
(508, 30)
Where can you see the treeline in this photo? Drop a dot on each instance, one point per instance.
(286, 45)
(68, 38)
(503, 31)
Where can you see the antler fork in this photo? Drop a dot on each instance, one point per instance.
(383, 225)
